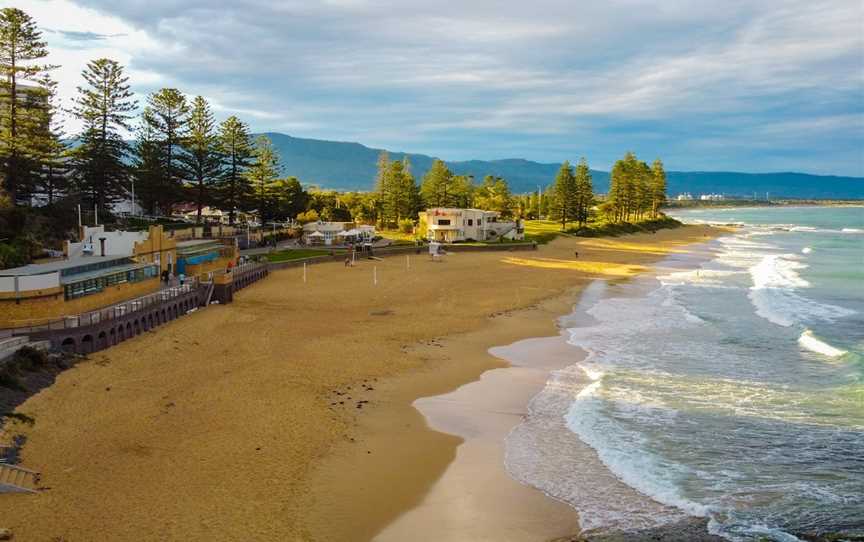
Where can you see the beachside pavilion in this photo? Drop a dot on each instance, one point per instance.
(102, 269)
(38, 293)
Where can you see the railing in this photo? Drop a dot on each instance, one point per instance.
(115, 311)
(247, 267)
(406, 249)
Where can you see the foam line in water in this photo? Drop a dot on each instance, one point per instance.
(774, 293)
(778, 271)
(811, 342)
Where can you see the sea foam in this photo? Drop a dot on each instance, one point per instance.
(811, 342)
(774, 293)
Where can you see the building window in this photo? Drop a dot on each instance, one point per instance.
(479, 221)
(470, 221)
(443, 221)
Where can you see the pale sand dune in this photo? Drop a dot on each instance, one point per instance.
(220, 426)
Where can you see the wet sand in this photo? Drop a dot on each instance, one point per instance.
(288, 414)
(475, 499)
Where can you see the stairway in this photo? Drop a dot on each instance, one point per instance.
(210, 287)
(14, 479)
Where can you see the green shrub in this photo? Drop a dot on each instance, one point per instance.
(406, 225)
(30, 359)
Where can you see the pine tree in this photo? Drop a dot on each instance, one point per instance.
(565, 195)
(494, 195)
(202, 159)
(584, 192)
(287, 198)
(105, 108)
(23, 109)
(148, 167)
(440, 188)
(382, 175)
(53, 153)
(658, 187)
(262, 173)
(465, 191)
(236, 148)
(167, 115)
(644, 192)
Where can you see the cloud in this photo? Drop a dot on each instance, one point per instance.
(546, 80)
(83, 36)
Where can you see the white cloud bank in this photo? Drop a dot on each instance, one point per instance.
(762, 85)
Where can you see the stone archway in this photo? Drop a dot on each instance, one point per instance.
(87, 344)
(68, 345)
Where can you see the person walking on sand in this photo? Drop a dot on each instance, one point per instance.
(348, 261)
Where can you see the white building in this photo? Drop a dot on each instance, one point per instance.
(686, 196)
(95, 241)
(337, 233)
(208, 214)
(712, 197)
(448, 225)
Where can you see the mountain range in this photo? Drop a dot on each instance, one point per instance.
(352, 166)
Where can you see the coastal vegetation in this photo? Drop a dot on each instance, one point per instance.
(182, 158)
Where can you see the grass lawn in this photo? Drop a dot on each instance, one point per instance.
(542, 231)
(295, 254)
(398, 237)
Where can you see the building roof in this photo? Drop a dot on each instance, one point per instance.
(458, 210)
(79, 277)
(61, 265)
(326, 226)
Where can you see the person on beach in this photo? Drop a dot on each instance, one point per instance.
(347, 261)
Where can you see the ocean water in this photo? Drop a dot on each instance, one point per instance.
(729, 386)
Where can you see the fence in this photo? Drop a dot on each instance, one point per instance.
(405, 249)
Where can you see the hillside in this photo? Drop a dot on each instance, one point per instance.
(351, 166)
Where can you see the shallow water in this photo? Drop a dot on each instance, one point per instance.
(731, 387)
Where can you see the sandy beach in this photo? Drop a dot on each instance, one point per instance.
(288, 415)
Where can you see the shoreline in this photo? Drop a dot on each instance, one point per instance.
(305, 389)
(488, 413)
(475, 498)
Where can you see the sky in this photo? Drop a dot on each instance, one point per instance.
(705, 85)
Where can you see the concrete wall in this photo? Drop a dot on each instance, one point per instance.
(156, 248)
(117, 243)
(28, 283)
